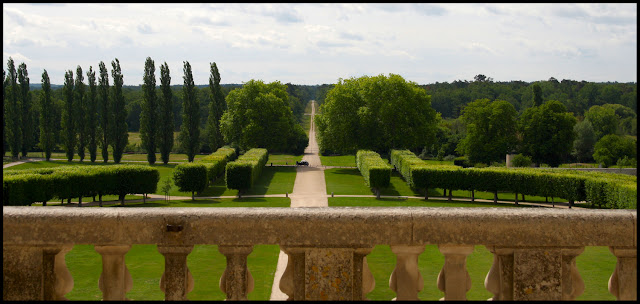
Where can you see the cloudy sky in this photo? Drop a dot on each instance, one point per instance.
(319, 43)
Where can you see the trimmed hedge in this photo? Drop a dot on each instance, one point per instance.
(216, 162)
(376, 172)
(190, 177)
(24, 187)
(603, 189)
(242, 173)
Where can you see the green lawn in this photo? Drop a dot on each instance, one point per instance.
(343, 181)
(283, 159)
(340, 160)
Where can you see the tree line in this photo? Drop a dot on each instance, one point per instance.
(78, 117)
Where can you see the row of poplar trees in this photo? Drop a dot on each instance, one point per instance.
(90, 116)
(95, 116)
(156, 126)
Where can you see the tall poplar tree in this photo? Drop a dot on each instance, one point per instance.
(216, 108)
(47, 122)
(68, 121)
(104, 112)
(537, 95)
(120, 135)
(149, 113)
(26, 110)
(92, 110)
(80, 110)
(165, 137)
(190, 129)
(13, 119)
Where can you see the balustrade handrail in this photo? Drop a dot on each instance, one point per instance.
(339, 226)
(534, 249)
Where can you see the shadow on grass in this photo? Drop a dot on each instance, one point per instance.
(345, 171)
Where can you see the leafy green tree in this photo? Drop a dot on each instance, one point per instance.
(119, 133)
(26, 111)
(91, 115)
(165, 138)
(104, 111)
(537, 95)
(375, 113)
(603, 119)
(80, 109)
(259, 117)
(491, 130)
(216, 108)
(13, 109)
(47, 122)
(584, 142)
(149, 114)
(547, 133)
(190, 130)
(610, 148)
(627, 119)
(68, 117)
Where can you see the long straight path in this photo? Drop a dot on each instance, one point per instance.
(309, 190)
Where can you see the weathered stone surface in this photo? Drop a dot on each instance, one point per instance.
(537, 274)
(328, 274)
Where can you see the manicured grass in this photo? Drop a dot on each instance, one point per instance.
(410, 202)
(283, 159)
(340, 160)
(146, 266)
(345, 181)
(221, 202)
(173, 157)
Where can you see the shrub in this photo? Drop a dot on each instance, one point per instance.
(450, 157)
(461, 161)
(24, 187)
(242, 173)
(521, 160)
(376, 172)
(190, 177)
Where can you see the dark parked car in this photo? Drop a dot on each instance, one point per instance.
(302, 163)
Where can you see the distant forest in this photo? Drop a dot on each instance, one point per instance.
(446, 98)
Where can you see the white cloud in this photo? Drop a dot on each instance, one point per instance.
(318, 43)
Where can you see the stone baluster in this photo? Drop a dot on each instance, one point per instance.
(623, 283)
(572, 284)
(535, 273)
(115, 279)
(62, 282)
(236, 281)
(499, 280)
(35, 273)
(454, 279)
(406, 280)
(368, 281)
(176, 281)
(295, 267)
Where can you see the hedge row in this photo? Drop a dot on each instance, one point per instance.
(602, 189)
(376, 172)
(216, 162)
(242, 173)
(24, 187)
(194, 177)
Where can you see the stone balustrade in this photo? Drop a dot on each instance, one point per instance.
(534, 249)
